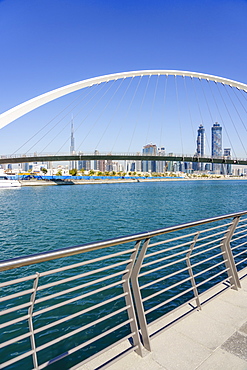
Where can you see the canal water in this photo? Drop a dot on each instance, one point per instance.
(43, 218)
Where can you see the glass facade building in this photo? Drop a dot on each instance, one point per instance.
(149, 166)
(227, 168)
(200, 148)
(216, 146)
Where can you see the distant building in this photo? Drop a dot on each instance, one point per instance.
(169, 165)
(25, 167)
(84, 165)
(96, 162)
(102, 165)
(161, 165)
(227, 168)
(99, 165)
(149, 166)
(216, 146)
(200, 148)
(109, 165)
(188, 167)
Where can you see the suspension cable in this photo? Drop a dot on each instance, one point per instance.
(68, 122)
(188, 104)
(235, 108)
(244, 93)
(112, 114)
(199, 108)
(42, 128)
(127, 112)
(221, 118)
(179, 117)
(99, 116)
(234, 90)
(95, 105)
(164, 102)
(210, 113)
(152, 108)
(232, 120)
(139, 111)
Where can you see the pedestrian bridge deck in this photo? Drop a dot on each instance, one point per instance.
(212, 338)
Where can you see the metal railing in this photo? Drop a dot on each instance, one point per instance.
(137, 156)
(110, 292)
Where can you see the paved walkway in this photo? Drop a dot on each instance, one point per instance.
(214, 338)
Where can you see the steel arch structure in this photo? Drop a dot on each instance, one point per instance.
(21, 109)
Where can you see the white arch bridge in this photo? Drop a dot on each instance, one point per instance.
(30, 105)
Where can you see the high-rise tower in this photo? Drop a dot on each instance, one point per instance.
(200, 145)
(200, 141)
(216, 146)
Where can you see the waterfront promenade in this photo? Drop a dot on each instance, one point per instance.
(85, 304)
(43, 182)
(214, 338)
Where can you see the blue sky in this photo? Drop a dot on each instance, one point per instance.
(46, 44)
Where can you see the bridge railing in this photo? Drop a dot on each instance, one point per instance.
(71, 305)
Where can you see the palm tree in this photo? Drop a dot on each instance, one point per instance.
(73, 172)
(44, 170)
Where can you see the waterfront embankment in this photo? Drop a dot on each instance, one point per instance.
(35, 182)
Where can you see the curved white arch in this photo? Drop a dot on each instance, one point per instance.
(21, 109)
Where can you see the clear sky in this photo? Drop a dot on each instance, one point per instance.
(46, 44)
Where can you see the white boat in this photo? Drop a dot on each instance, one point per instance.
(6, 182)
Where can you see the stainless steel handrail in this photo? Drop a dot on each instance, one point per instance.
(128, 284)
(65, 252)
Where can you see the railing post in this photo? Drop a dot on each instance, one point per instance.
(129, 301)
(138, 297)
(228, 256)
(30, 321)
(193, 283)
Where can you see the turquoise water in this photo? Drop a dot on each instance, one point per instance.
(38, 219)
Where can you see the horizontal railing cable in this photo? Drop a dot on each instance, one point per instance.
(72, 300)
(86, 310)
(93, 282)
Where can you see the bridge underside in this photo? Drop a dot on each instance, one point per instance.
(119, 157)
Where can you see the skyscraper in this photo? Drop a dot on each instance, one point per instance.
(200, 146)
(200, 141)
(216, 146)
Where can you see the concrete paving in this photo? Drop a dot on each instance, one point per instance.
(213, 338)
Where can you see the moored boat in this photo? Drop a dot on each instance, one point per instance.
(6, 182)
